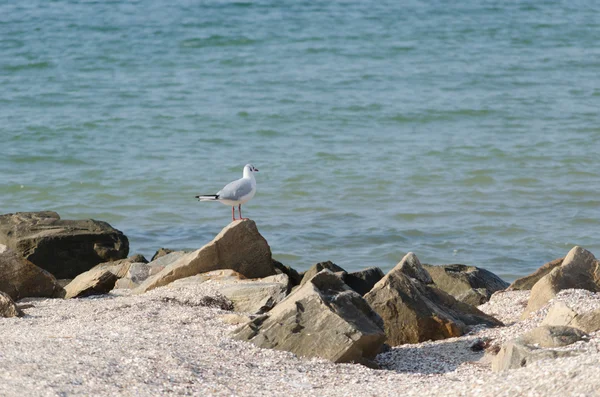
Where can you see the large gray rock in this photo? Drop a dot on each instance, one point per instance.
(20, 278)
(579, 269)
(516, 354)
(561, 314)
(256, 296)
(468, 284)
(316, 268)
(8, 308)
(323, 318)
(64, 248)
(527, 282)
(239, 247)
(414, 311)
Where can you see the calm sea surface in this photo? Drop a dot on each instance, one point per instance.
(466, 132)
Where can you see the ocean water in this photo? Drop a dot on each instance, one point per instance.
(465, 132)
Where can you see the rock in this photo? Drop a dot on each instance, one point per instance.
(316, 268)
(160, 253)
(364, 280)
(527, 282)
(256, 296)
(239, 247)
(552, 336)
(294, 277)
(414, 312)
(559, 314)
(587, 322)
(410, 266)
(322, 318)
(579, 269)
(516, 354)
(19, 278)
(97, 281)
(138, 258)
(8, 308)
(64, 248)
(235, 318)
(138, 272)
(468, 284)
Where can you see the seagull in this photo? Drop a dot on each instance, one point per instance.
(235, 193)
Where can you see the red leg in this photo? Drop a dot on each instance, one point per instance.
(233, 212)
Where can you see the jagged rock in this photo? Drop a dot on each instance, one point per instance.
(364, 280)
(316, 268)
(527, 282)
(552, 336)
(516, 354)
(468, 284)
(322, 318)
(415, 312)
(8, 308)
(579, 269)
(64, 248)
(20, 278)
(239, 247)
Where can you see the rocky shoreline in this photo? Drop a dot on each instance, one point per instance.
(180, 324)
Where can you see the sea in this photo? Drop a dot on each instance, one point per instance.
(465, 132)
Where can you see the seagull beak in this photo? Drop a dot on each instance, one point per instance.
(256, 170)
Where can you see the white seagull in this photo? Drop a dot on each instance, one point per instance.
(235, 193)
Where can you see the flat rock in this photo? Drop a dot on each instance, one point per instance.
(64, 248)
(19, 278)
(552, 336)
(414, 311)
(138, 272)
(579, 269)
(527, 282)
(468, 284)
(515, 354)
(97, 281)
(8, 308)
(239, 247)
(323, 318)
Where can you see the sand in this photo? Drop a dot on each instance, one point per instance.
(166, 342)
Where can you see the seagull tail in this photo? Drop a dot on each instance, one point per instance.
(209, 197)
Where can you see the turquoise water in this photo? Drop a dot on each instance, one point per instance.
(466, 133)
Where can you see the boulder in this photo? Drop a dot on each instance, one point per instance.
(414, 311)
(19, 278)
(561, 314)
(527, 282)
(8, 308)
(579, 269)
(160, 253)
(256, 296)
(323, 318)
(138, 272)
(516, 354)
(64, 248)
(316, 268)
(468, 284)
(239, 247)
(97, 281)
(552, 336)
(364, 280)
(293, 276)
(587, 322)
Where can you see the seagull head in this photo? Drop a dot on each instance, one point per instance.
(249, 169)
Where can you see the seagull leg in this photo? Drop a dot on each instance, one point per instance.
(240, 209)
(233, 212)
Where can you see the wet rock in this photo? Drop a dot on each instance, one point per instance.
(322, 318)
(239, 247)
(64, 248)
(414, 311)
(19, 278)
